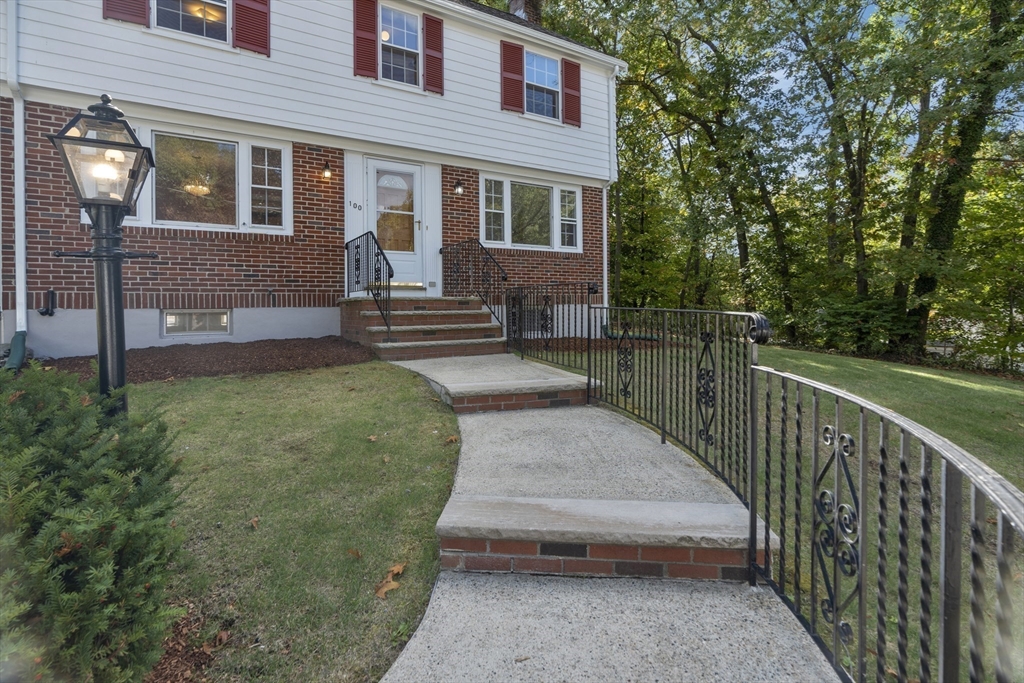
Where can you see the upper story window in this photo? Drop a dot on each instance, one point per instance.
(247, 22)
(530, 214)
(399, 46)
(206, 18)
(541, 85)
(216, 182)
(532, 83)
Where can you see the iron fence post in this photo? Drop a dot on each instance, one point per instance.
(752, 468)
(664, 371)
(950, 573)
(590, 337)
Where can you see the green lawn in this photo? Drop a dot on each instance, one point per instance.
(336, 508)
(980, 413)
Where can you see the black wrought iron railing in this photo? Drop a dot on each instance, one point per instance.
(469, 269)
(368, 269)
(550, 322)
(686, 373)
(892, 545)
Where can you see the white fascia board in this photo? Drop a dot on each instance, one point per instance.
(511, 29)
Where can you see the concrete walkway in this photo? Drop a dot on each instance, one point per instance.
(509, 627)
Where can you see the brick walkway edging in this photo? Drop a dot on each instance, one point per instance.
(593, 559)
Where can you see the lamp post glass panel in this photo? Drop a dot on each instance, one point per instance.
(107, 167)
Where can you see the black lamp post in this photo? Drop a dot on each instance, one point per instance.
(107, 166)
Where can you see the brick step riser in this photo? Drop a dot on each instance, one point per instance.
(400, 335)
(546, 399)
(583, 559)
(441, 352)
(431, 318)
(416, 305)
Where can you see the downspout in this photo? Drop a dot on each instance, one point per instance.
(613, 167)
(20, 245)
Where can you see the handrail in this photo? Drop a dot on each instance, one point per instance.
(991, 483)
(469, 269)
(862, 458)
(361, 252)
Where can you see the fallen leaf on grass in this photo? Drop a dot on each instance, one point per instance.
(354, 553)
(351, 388)
(436, 400)
(452, 439)
(208, 648)
(169, 379)
(255, 522)
(389, 583)
(387, 459)
(372, 438)
(223, 637)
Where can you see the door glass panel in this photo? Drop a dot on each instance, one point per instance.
(395, 211)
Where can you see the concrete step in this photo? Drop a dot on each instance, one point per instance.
(439, 317)
(472, 387)
(654, 539)
(438, 349)
(410, 333)
(414, 303)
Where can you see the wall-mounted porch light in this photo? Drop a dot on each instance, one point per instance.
(459, 189)
(326, 172)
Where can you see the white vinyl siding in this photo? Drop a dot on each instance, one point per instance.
(307, 84)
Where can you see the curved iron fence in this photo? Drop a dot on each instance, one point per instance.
(367, 269)
(894, 545)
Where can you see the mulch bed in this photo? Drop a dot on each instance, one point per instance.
(183, 658)
(160, 363)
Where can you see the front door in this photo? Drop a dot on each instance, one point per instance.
(395, 189)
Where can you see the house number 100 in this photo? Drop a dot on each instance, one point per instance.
(357, 207)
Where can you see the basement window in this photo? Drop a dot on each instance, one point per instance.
(196, 322)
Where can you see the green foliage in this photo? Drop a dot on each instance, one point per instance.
(85, 532)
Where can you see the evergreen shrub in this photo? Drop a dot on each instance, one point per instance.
(86, 532)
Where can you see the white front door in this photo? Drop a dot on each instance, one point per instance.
(396, 191)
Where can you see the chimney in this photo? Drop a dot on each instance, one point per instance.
(526, 9)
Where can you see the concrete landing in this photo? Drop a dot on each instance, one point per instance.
(499, 382)
(500, 628)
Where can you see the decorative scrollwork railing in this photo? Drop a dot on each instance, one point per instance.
(684, 372)
(550, 322)
(954, 512)
(469, 269)
(367, 269)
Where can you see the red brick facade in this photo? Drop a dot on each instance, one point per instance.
(196, 268)
(461, 216)
(224, 269)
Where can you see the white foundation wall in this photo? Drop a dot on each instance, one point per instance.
(73, 332)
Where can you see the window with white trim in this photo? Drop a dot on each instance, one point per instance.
(195, 322)
(399, 46)
(216, 182)
(531, 215)
(205, 18)
(542, 85)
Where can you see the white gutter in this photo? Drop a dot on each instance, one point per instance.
(20, 233)
(613, 172)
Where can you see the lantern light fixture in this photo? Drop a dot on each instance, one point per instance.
(459, 189)
(327, 170)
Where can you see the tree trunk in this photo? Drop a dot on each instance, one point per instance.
(782, 249)
(947, 197)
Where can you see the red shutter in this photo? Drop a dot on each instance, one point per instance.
(365, 38)
(512, 81)
(571, 114)
(433, 54)
(252, 25)
(135, 11)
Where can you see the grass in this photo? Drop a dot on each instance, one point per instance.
(336, 509)
(982, 414)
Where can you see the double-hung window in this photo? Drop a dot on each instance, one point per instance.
(206, 18)
(532, 215)
(399, 46)
(542, 86)
(216, 182)
(402, 47)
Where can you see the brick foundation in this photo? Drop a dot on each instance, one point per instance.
(593, 559)
(546, 399)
